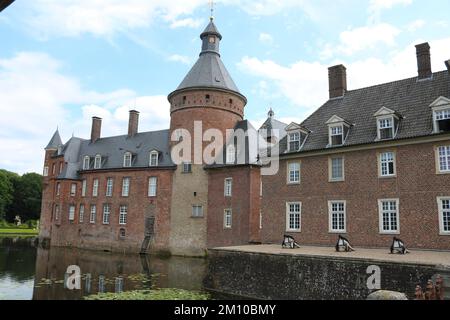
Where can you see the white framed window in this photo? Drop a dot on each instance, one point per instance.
(83, 188)
(336, 169)
(337, 217)
(443, 154)
(386, 128)
(294, 141)
(61, 165)
(293, 216)
(387, 164)
(227, 218)
(152, 186)
(293, 173)
(98, 162)
(127, 159)
(125, 187)
(109, 187)
(86, 162)
(442, 120)
(260, 220)
(95, 188)
(231, 154)
(73, 189)
(58, 188)
(337, 135)
(228, 187)
(56, 212)
(93, 216)
(106, 213)
(81, 215)
(389, 216)
(71, 213)
(154, 159)
(444, 215)
(53, 168)
(197, 211)
(187, 167)
(123, 215)
(45, 173)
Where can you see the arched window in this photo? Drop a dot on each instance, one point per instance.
(127, 159)
(231, 154)
(98, 162)
(86, 162)
(153, 159)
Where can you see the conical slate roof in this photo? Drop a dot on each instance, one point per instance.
(55, 141)
(209, 70)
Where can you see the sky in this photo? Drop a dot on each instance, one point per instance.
(64, 61)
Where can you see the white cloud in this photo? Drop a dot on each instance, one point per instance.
(266, 38)
(188, 22)
(36, 98)
(415, 25)
(179, 58)
(305, 84)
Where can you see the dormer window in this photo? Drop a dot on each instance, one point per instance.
(338, 130)
(153, 159)
(337, 135)
(296, 136)
(387, 123)
(294, 141)
(127, 159)
(231, 154)
(212, 39)
(98, 162)
(386, 128)
(441, 115)
(86, 162)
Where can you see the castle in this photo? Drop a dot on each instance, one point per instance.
(370, 164)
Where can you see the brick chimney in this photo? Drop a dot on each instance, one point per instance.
(424, 60)
(337, 79)
(96, 129)
(133, 123)
(447, 64)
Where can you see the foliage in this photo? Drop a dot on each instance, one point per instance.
(18, 231)
(157, 294)
(20, 195)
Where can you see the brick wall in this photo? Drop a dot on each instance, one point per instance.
(244, 202)
(416, 185)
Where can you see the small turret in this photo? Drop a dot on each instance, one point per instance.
(55, 141)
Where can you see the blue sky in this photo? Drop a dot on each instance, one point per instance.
(63, 61)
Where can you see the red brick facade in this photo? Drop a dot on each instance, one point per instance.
(416, 185)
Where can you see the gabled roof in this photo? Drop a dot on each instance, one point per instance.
(409, 98)
(55, 141)
(440, 102)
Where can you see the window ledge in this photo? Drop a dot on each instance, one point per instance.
(293, 183)
(389, 233)
(197, 218)
(388, 177)
(337, 232)
(336, 180)
(443, 172)
(293, 231)
(444, 234)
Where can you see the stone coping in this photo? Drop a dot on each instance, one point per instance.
(439, 259)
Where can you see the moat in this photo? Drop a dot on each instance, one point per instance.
(262, 272)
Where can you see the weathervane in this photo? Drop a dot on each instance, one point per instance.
(211, 6)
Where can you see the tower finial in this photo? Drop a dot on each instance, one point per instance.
(211, 7)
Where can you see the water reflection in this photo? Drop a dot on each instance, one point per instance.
(35, 273)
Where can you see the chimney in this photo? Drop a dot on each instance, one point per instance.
(424, 60)
(133, 123)
(96, 129)
(447, 64)
(337, 79)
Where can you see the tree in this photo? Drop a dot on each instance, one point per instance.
(27, 197)
(6, 192)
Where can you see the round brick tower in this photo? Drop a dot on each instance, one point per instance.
(207, 93)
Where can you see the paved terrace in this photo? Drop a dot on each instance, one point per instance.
(434, 258)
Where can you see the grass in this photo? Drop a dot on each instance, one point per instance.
(18, 231)
(157, 294)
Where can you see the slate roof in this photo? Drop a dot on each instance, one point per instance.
(112, 150)
(55, 141)
(409, 97)
(209, 70)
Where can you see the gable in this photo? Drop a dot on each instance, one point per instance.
(440, 102)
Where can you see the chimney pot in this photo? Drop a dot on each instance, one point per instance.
(447, 64)
(96, 129)
(133, 123)
(337, 79)
(424, 61)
